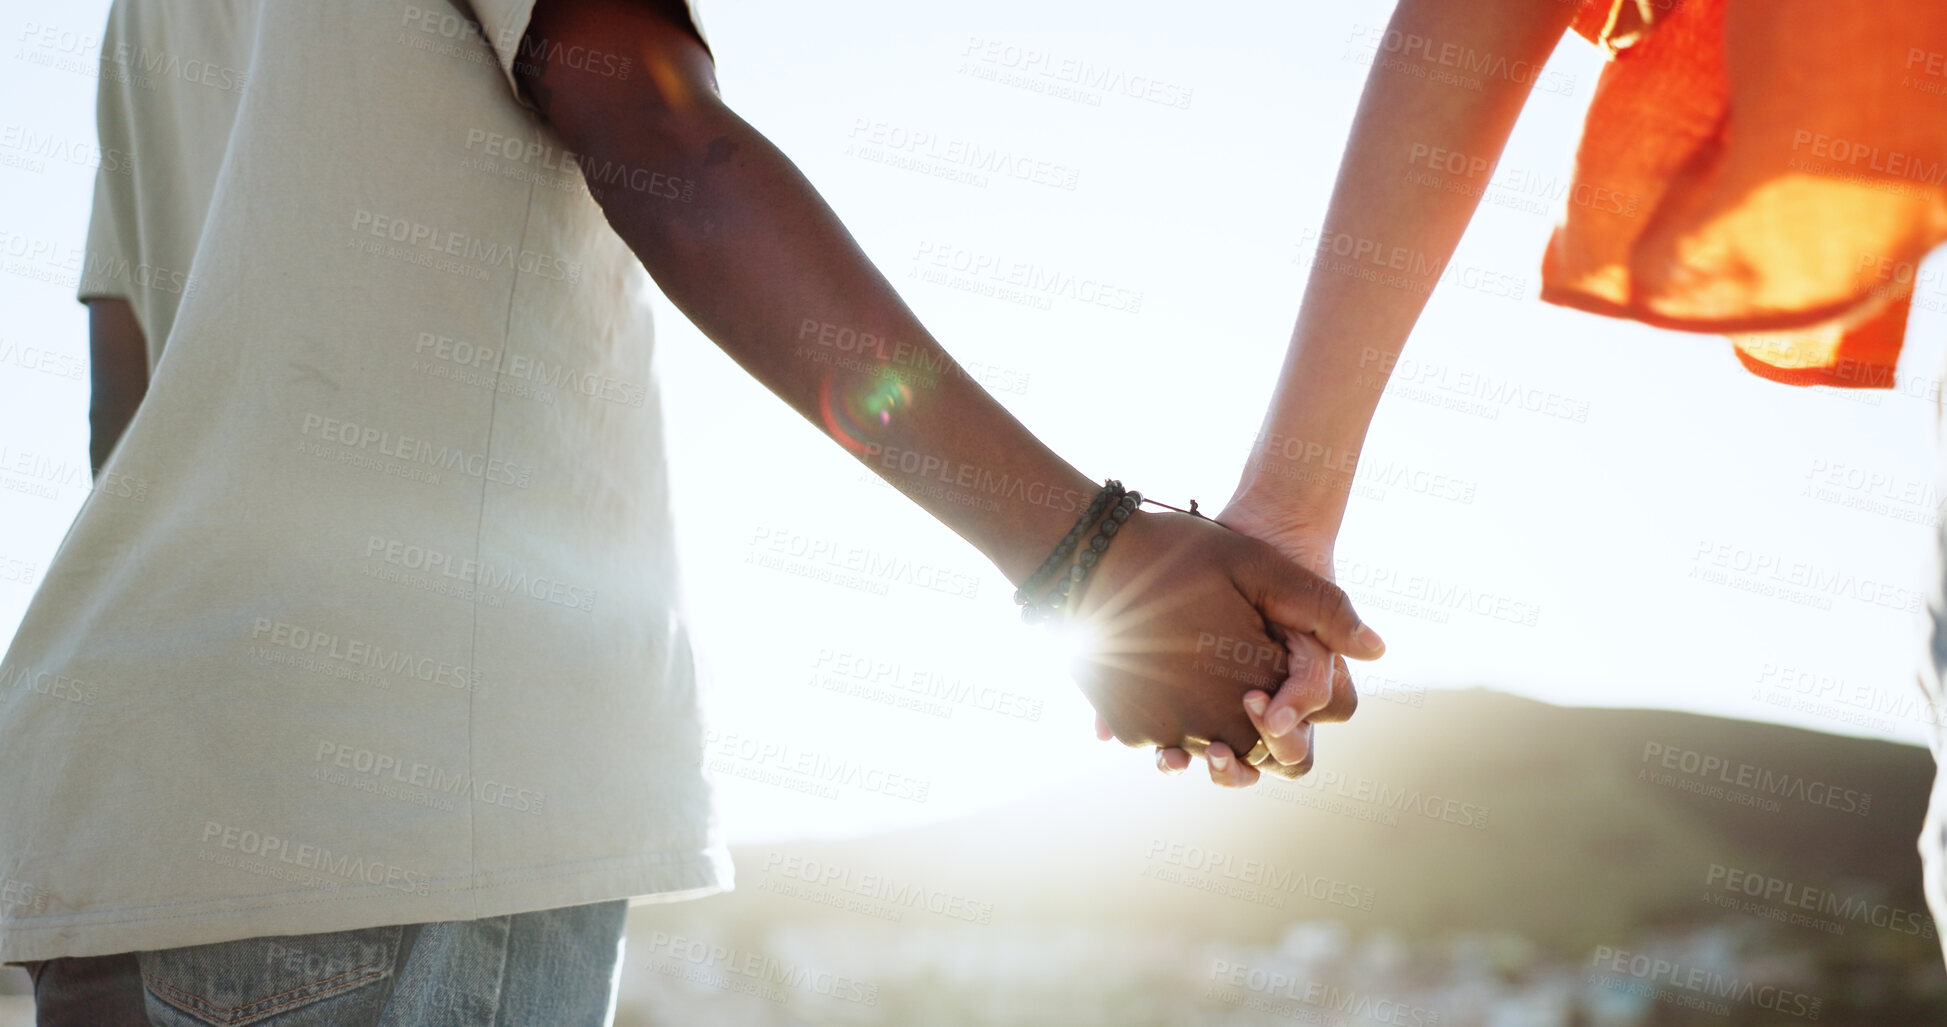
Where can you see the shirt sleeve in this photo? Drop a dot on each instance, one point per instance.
(112, 239)
(106, 259)
(504, 24)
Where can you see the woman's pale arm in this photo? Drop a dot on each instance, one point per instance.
(1386, 237)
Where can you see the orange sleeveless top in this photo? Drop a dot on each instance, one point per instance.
(1789, 158)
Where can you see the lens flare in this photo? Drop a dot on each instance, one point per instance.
(852, 411)
(1069, 645)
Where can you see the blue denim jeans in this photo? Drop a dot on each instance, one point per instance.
(546, 968)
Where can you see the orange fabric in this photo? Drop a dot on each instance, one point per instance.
(1787, 160)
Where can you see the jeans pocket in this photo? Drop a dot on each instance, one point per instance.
(286, 981)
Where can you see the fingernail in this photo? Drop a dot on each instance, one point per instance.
(1256, 702)
(1219, 761)
(1163, 765)
(1369, 638)
(1282, 722)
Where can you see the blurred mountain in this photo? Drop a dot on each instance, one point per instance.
(1452, 811)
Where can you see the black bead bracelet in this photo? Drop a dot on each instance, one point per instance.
(1023, 596)
(1109, 512)
(1120, 505)
(1070, 586)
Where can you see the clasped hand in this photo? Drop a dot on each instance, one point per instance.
(1183, 618)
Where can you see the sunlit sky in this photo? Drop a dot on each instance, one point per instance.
(1642, 535)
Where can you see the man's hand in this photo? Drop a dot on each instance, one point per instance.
(1185, 619)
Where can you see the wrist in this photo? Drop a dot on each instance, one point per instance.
(1310, 491)
(1037, 520)
(1313, 507)
(1304, 534)
(1057, 587)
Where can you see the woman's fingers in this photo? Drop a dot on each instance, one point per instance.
(1308, 692)
(1345, 698)
(1226, 769)
(1289, 748)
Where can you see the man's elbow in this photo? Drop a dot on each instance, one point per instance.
(668, 102)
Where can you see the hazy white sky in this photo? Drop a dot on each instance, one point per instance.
(1673, 531)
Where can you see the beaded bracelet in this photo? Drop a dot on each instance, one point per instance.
(1111, 491)
(1069, 587)
(1096, 547)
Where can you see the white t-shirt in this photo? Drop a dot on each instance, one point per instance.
(372, 617)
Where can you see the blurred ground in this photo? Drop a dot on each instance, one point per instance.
(1458, 859)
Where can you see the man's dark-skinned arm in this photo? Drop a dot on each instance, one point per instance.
(755, 254)
(118, 364)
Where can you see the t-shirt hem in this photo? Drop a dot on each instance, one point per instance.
(658, 877)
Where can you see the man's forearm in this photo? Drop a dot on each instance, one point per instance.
(763, 266)
(751, 254)
(1385, 241)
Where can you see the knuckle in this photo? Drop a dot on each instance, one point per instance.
(1308, 699)
(1133, 733)
(1289, 749)
(1306, 694)
(1338, 605)
(1338, 711)
(1288, 771)
(1239, 727)
(1345, 694)
(1314, 661)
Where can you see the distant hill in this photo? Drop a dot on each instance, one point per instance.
(1596, 822)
